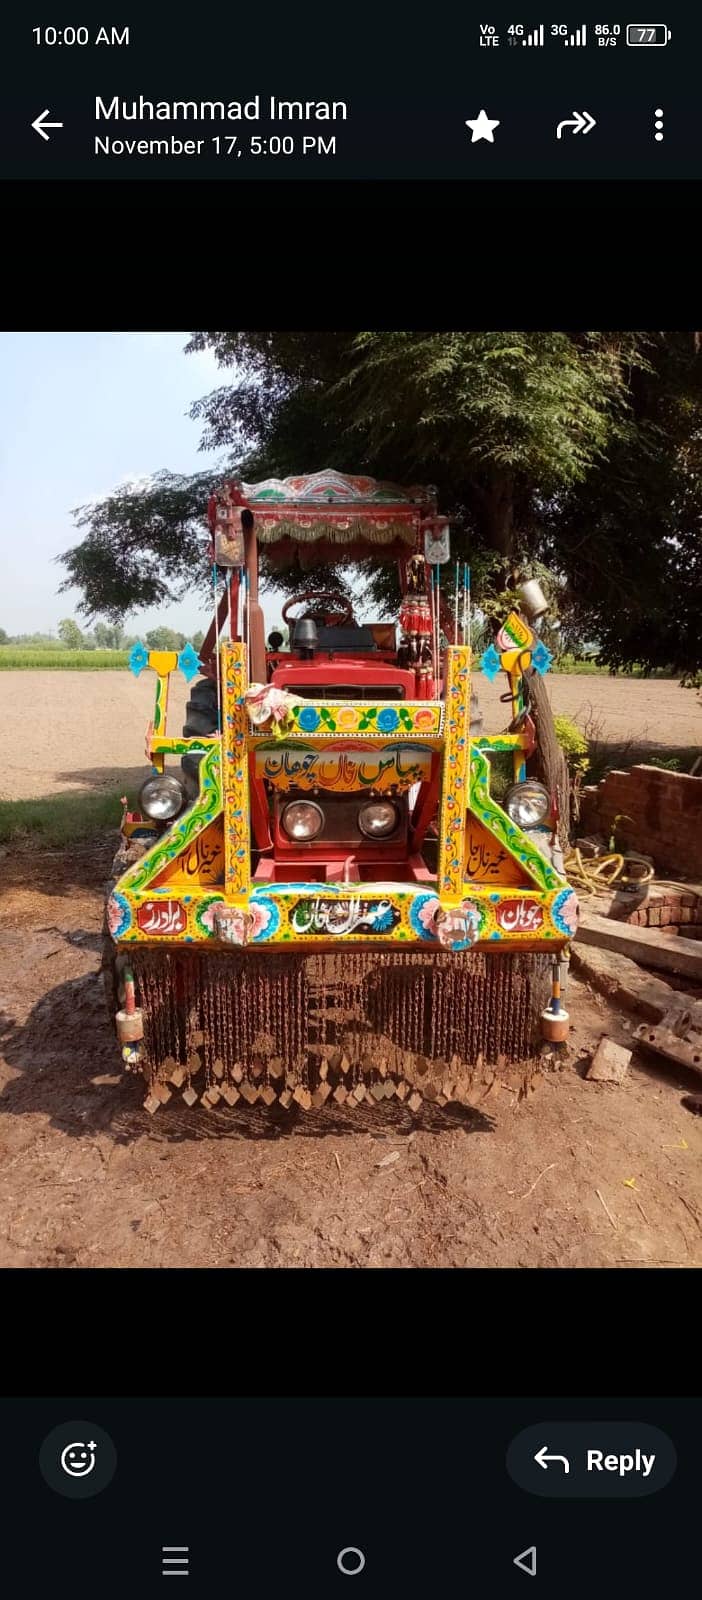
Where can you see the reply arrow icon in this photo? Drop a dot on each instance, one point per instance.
(580, 122)
(40, 126)
(543, 1459)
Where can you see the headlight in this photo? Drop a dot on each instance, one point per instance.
(527, 804)
(162, 797)
(301, 819)
(378, 820)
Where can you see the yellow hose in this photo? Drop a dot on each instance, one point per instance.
(599, 873)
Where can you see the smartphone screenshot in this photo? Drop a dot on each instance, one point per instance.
(350, 801)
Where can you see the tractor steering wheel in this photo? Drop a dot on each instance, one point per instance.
(331, 610)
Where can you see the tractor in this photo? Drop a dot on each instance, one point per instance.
(322, 898)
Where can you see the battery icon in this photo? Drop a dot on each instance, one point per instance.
(647, 33)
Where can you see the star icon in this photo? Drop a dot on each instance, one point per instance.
(482, 128)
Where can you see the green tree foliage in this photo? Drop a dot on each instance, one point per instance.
(165, 639)
(109, 636)
(579, 451)
(69, 633)
(630, 536)
(197, 639)
(36, 641)
(4, 639)
(141, 547)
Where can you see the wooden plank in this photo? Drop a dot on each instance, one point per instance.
(681, 956)
(621, 980)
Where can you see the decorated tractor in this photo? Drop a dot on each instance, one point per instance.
(321, 897)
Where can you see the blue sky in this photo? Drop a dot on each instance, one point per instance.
(81, 413)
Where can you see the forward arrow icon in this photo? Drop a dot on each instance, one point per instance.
(580, 122)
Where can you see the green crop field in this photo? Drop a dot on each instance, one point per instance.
(15, 659)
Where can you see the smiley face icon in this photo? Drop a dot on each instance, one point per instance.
(78, 1459)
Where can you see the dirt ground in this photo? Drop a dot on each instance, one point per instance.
(85, 730)
(576, 1174)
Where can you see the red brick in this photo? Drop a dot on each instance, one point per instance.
(654, 917)
(666, 916)
(685, 914)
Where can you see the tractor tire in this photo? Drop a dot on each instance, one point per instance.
(200, 719)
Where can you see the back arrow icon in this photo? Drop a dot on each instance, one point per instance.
(40, 125)
(543, 1458)
(581, 122)
(526, 1560)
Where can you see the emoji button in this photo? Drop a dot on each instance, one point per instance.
(78, 1460)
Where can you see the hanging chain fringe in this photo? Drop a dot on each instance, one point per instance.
(357, 1027)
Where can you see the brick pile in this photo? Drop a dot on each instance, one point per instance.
(671, 908)
(665, 809)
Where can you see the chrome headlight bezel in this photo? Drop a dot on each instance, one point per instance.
(528, 788)
(162, 797)
(299, 806)
(375, 833)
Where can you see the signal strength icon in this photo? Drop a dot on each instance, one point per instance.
(536, 37)
(577, 38)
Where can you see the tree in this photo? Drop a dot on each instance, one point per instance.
(165, 639)
(142, 547)
(197, 639)
(69, 633)
(3, 637)
(109, 636)
(630, 537)
(577, 449)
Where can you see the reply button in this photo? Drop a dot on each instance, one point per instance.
(591, 1460)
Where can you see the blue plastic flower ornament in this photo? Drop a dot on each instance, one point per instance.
(490, 662)
(138, 658)
(189, 662)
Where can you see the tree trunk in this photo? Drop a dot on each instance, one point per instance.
(494, 511)
(548, 762)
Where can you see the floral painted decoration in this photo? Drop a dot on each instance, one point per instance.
(119, 915)
(565, 911)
